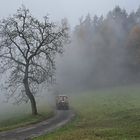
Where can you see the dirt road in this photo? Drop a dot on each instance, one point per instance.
(25, 133)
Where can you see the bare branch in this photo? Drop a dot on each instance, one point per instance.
(28, 48)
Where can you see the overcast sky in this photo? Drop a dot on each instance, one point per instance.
(72, 9)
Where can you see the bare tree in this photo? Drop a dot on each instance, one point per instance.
(27, 51)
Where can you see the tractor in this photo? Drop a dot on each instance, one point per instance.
(62, 102)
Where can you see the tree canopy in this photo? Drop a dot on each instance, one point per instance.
(109, 49)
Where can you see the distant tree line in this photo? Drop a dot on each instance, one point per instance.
(109, 48)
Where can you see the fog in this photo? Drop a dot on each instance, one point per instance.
(97, 56)
(71, 9)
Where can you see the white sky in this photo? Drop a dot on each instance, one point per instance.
(72, 9)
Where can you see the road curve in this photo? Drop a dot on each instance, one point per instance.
(25, 133)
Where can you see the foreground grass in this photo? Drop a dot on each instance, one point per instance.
(110, 114)
(15, 117)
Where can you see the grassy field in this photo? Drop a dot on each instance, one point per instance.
(109, 114)
(13, 116)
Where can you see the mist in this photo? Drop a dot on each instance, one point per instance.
(100, 55)
(82, 61)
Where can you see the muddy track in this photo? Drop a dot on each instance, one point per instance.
(25, 133)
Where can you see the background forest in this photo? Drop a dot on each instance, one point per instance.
(105, 51)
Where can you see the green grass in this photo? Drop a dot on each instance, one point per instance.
(19, 116)
(109, 114)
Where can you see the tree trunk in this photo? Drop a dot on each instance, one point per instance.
(29, 94)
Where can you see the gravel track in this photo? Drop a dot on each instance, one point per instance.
(25, 133)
